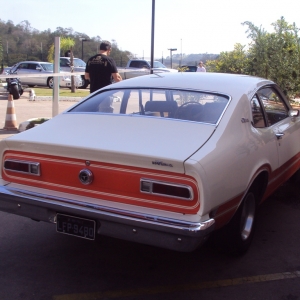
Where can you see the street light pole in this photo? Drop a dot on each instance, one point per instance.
(7, 53)
(82, 40)
(152, 37)
(181, 52)
(172, 49)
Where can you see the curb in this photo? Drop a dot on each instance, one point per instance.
(50, 98)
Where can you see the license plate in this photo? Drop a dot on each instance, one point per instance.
(75, 226)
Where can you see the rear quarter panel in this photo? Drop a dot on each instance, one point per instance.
(226, 165)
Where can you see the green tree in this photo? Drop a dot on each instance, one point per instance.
(66, 43)
(1, 53)
(26, 43)
(276, 55)
(235, 62)
(258, 57)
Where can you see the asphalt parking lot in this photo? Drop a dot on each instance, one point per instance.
(36, 262)
(25, 109)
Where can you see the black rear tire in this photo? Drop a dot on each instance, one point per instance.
(14, 90)
(295, 179)
(236, 237)
(50, 82)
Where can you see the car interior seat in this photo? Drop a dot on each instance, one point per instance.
(189, 111)
(161, 107)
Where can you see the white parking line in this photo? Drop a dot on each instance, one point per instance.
(139, 292)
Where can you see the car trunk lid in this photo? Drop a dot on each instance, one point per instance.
(153, 143)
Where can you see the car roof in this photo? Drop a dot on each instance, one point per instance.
(198, 81)
(67, 57)
(34, 61)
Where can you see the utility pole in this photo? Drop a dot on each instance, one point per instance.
(152, 37)
(82, 40)
(7, 53)
(171, 50)
(181, 52)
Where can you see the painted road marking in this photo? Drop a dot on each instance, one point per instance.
(139, 292)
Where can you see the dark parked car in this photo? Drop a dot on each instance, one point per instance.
(189, 68)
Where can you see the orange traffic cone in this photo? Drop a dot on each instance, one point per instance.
(11, 118)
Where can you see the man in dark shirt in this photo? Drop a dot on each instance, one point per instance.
(100, 69)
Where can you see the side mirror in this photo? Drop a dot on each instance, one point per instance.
(294, 113)
(39, 68)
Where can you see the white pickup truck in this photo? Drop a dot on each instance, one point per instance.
(139, 67)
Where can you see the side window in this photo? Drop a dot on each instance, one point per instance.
(274, 106)
(134, 64)
(23, 66)
(143, 64)
(139, 100)
(257, 114)
(106, 102)
(32, 66)
(63, 63)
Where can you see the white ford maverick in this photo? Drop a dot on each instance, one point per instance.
(179, 157)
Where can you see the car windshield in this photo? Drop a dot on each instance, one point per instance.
(47, 67)
(172, 104)
(13, 68)
(79, 63)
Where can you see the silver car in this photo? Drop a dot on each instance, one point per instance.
(79, 66)
(37, 67)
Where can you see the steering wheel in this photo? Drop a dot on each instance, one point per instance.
(185, 110)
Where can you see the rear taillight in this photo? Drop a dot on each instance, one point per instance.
(21, 166)
(166, 189)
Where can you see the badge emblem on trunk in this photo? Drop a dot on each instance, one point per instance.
(86, 176)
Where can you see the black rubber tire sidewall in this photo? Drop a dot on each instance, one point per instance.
(14, 90)
(228, 239)
(48, 82)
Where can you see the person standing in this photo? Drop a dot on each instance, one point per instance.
(200, 67)
(101, 69)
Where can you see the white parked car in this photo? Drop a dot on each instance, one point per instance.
(42, 68)
(182, 156)
(78, 66)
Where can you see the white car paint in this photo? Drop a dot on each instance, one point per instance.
(224, 158)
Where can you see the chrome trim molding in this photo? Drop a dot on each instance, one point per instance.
(31, 164)
(151, 182)
(170, 233)
(179, 224)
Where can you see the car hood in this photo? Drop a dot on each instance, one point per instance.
(147, 142)
(79, 68)
(160, 70)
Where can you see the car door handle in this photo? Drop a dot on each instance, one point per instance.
(279, 135)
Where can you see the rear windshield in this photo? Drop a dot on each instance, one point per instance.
(161, 103)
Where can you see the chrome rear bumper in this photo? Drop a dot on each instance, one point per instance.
(124, 224)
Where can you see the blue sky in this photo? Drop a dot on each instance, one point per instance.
(191, 26)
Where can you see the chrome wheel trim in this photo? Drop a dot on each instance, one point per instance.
(51, 83)
(247, 217)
